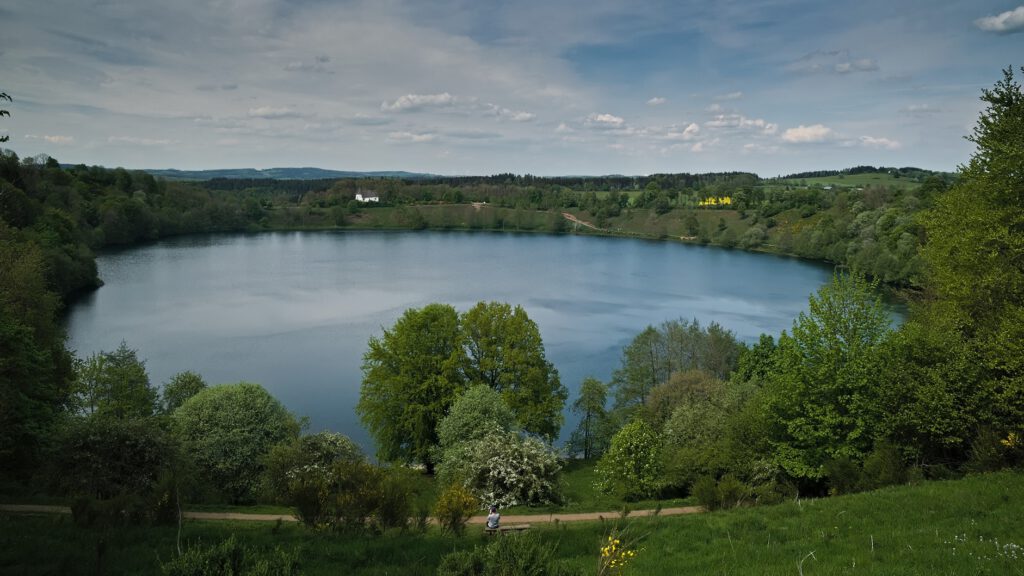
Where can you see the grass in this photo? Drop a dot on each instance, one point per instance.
(855, 180)
(959, 527)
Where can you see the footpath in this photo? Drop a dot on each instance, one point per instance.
(509, 519)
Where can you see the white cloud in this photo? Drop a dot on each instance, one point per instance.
(862, 65)
(689, 133)
(136, 141)
(318, 64)
(605, 121)
(730, 96)
(413, 102)
(739, 121)
(656, 101)
(807, 134)
(883, 143)
(920, 110)
(414, 137)
(504, 113)
(54, 139)
(831, 61)
(1006, 23)
(271, 113)
(698, 147)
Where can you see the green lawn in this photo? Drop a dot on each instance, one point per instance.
(969, 526)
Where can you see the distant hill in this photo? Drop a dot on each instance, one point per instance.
(306, 173)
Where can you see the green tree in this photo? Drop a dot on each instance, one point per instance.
(643, 368)
(822, 392)
(593, 433)
(631, 468)
(35, 367)
(115, 384)
(228, 430)
(180, 388)
(411, 376)
(504, 351)
(474, 414)
(975, 249)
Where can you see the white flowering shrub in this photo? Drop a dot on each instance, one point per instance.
(631, 467)
(504, 469)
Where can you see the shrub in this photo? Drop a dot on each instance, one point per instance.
(705, 490)
(233, 558)
(454, 508)
(476, 413)
(504, 469)
(843, 475)
(115, 469)
(355, 494)
(884, 466)
(631, 467)
(321, 450)
(228, 430)
(731, 491)
(395, 508)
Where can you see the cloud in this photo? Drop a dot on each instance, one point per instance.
(741, 122)
(605, 121)
(473, 135)
(54, 139)
(831, 62)
(413, 137)
(1006, 23)
(504, 113)
(367, 120)
(920, 110)
(730, 96)
(415, 102)
(698, 147)
(136, 141)
(883, 143)
(656, 101)
(216, 87)
(318, 65)
(689, 133)
(862, 65)
(271, 113)
(807, 134)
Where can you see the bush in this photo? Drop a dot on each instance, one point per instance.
(232, 558)
(355, 494)
(504, 469)
(705, 490)
(884, 466)
(228, 430)
(843, 475)
(631, 467)
(732, 492)
(321, 450)
(118, 470)
(454, 508)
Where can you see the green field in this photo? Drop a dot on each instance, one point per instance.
(967, 526)
(855, 180)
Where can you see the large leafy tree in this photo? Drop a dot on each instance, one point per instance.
(228, 430)
(505, 352)
(822, 393)
(975, 254)
(115, 384)
(411, 376)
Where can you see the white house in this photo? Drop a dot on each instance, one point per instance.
(361, 198)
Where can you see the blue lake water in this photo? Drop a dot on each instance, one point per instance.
(293, 311)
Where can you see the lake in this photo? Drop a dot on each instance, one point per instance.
(293, 311)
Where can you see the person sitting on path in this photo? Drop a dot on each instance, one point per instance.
(493, 519)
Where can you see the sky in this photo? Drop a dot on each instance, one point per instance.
(545, 87)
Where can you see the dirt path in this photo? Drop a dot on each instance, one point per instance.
(508, 519)
(576, 220)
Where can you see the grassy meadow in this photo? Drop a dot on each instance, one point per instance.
(966, 526)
